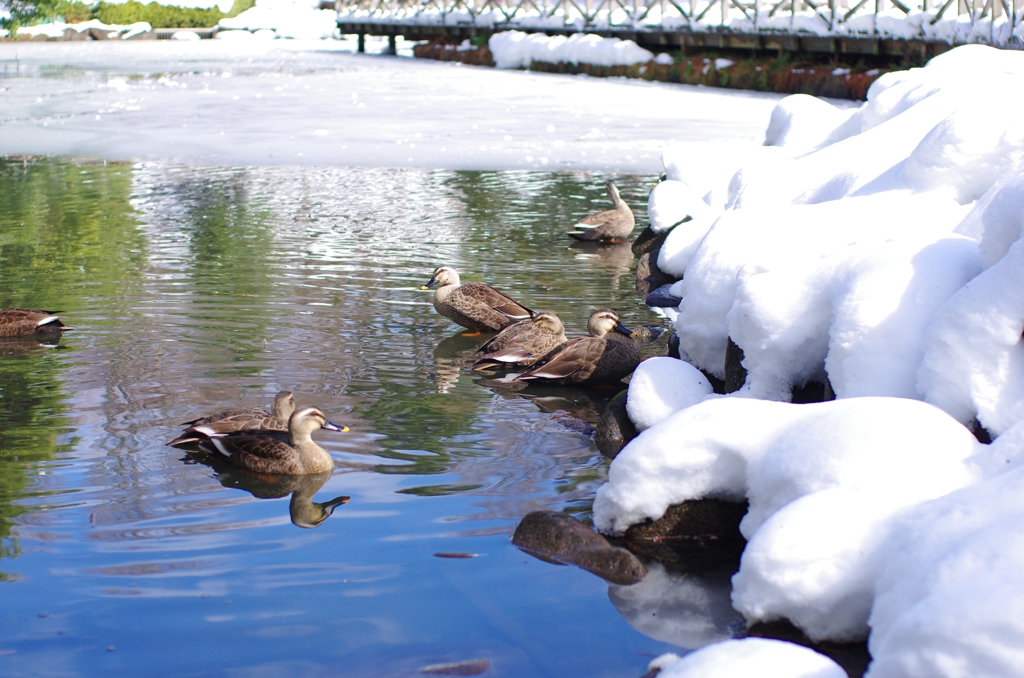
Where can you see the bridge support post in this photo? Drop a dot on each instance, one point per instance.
(392, 45)
(361, 44)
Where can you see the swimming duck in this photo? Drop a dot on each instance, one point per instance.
(605, 357)
(613, 224)
(272, 452)
(239, 419)
(15, 321)
(474, 305)
(529, 340)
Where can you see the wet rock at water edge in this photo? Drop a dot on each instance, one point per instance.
(614, 429)
(735, 372)
(648, 275)
(559, 537)
(662, 297)
(694, 535)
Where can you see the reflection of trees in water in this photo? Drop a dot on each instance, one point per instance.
(240, 282)
(67, 236)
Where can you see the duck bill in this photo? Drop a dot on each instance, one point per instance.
(331, 426)
(433, 281)
(622, 329)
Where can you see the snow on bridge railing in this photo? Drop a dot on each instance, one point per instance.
(994, 22)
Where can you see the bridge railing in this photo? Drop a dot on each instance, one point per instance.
(997, 22)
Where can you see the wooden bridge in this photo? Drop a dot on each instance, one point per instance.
(899, 29)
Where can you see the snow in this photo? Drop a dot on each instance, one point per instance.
(880, 249)
(246, 101)
(515, 49)
(660, 386)
(760, 657)
(823, 481)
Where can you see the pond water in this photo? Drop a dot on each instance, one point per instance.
(197, 288)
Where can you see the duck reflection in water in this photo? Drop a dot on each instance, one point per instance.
(615, 259)
(31, 343)
(452, 355)
(304, 512)
(577, 409)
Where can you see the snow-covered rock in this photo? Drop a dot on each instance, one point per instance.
(660, 386)
(762, 657)
(515, 49)
(823, 482)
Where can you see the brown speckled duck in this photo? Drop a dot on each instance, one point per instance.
(239, 419)
(272, 452)
(605, 357)
(19, 321)
(529, 340)
(613, 224)
(474, 305)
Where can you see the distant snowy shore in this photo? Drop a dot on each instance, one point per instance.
(880, 249)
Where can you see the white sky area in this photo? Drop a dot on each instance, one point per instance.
(295, 102)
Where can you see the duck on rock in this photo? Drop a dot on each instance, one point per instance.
(474, 305)
(613, 224)
(239, 419)
(605, 357)
(21, 321)
(293, 453)
(523, 343)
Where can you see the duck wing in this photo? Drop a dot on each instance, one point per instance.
(617, 223)
(229, 413)
(248, 422)
(493, 299)
(263, 452)
(15, 321)
(502, 339)
(573, 361)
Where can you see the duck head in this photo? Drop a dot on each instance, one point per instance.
(443, 275)
(284, 405)
(309, 419)
(549, 321)
(605, 320)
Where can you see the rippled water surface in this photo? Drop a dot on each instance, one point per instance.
(193, 289)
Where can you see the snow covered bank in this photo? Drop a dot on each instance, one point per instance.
(881, 249)
(515, 49)
(58, 29)
(832, 253)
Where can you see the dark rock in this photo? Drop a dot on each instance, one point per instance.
(98, 34)
(695, 536)
(648, 275)
(71, 35)
(673, 345)
(648, 240)
(735, 373)
(562, 538)
(614, 429)
(696, 520)
(662, 297)
(980, 432)
(810, 392)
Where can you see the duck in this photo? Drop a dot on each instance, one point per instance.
(528, 340)
(239, 419)
(605, 357)
(613, 224)
(474, 305)
(273, 452)
(21, 321)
